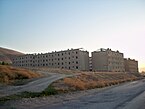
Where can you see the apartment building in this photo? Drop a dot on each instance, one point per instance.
(106, 60)
(74, 59)
(131, 65)
(90, 63)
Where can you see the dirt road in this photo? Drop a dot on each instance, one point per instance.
(130, 95)
(33, 86)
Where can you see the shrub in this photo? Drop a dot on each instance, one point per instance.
(50, 90)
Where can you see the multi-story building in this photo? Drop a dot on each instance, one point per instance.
(106, 60)
(131, 65)
(90, 63)
(68, 59)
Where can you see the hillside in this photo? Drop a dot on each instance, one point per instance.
(9, 74)
(86, 80)
(7, 54)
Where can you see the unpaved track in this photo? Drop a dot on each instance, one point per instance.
(130, 95)
(33, 86)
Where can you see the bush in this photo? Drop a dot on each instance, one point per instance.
(29, 94)
(4, 63)
(49, 91)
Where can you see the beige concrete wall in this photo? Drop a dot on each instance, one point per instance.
(107, 60)
(84, 60)
(90, 63)
(99, 61)
(131, 65)
(68, 59)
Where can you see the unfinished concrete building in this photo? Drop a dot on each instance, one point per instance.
(90, 63)
(131, 65)
(106, 60)
(74, 59)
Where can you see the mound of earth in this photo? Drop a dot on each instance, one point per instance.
(9, 74)
(6, 55)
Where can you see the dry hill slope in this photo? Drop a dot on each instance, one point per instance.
(10, 74)
(7, 54)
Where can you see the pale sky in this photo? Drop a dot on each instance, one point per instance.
(34, 26)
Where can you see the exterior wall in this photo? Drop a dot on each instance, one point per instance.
(131, 65)
(90, 63)
(99, 61)
(68, 59)
(107, 60)
(84, 60)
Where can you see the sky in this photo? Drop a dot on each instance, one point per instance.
(40, 26)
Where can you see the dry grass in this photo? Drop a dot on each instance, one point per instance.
(92, 80)
(63, 71)
(9, 74)
(55, 70)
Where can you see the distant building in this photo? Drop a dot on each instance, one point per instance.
(103, 60)
(74, 59)
(90, 63)
(131, 65)
(106, 60)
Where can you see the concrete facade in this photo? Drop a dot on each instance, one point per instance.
(131, 65)
(90, 63)
(103, 60)
(74, 59)
(106, 60)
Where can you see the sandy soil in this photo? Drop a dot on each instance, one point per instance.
(129, 95)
